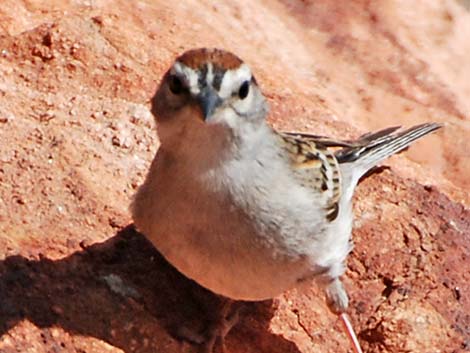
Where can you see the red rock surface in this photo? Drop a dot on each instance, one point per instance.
(76, 139)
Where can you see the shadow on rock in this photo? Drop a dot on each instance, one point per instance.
(124, 292)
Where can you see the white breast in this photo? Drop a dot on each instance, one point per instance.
(245, 229)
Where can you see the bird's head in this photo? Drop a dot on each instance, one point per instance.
(209, 89)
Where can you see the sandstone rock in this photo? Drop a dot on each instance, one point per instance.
(72, 70)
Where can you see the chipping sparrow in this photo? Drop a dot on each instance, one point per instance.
(243, 210)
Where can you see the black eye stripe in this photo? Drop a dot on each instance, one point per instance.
(202, 76)
(218, 77)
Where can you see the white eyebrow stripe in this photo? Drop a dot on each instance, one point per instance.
(189, 75)
(232, 79)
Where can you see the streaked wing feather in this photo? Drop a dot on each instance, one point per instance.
(377, 135)
(318, 139)
(316, 168)
(380, 140)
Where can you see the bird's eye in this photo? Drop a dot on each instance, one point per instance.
(175, 84)
(244, 89)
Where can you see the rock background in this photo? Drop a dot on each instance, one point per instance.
(76, 138)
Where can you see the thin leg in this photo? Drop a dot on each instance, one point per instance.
(350, 332)
(337, 300)
(228, 318)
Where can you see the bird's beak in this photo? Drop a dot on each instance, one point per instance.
(209, 100)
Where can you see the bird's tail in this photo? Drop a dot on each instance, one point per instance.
(372, 148)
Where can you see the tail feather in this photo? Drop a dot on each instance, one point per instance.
(373, 148)
(370, 149)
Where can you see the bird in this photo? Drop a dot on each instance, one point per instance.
(244, 210)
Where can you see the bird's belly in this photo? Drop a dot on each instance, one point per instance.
(250, 239)
(219, 247)
(232, 274)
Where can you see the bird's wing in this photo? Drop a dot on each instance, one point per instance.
(374, 147)
(382, 143)
(350, 148)
(354, 158)
(316, 167)
(323, 140)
